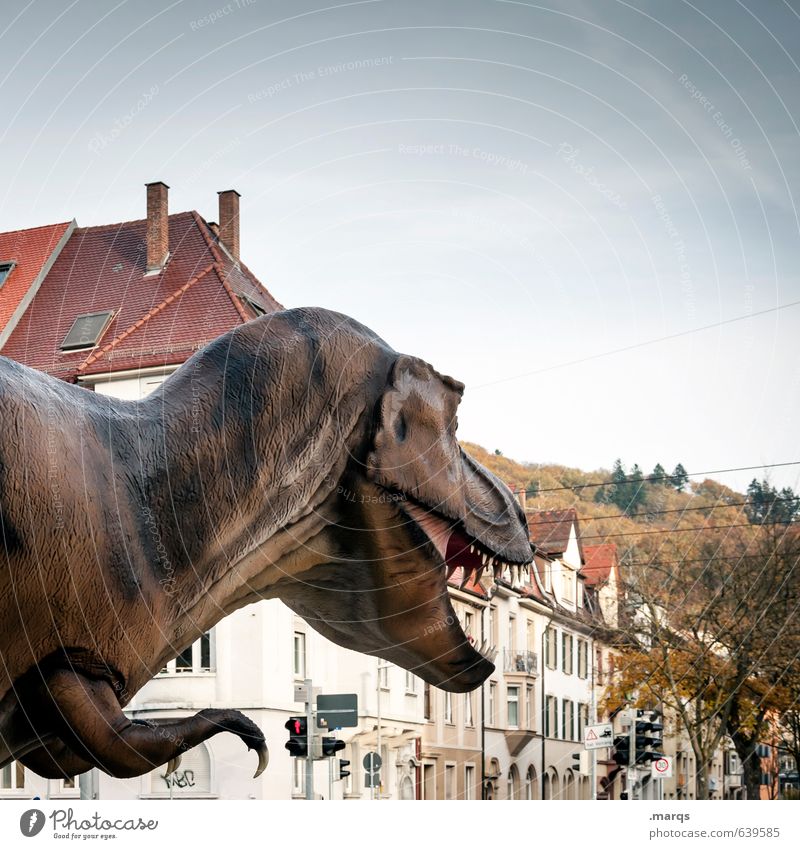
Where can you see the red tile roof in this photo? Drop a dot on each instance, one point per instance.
(550, 529)
(600, 560)
(158, 320)
(29, 250)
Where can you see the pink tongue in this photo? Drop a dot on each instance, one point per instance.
(437, 530)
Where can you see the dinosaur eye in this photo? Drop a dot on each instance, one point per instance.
(400, 428)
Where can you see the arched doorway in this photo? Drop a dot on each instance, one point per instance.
(550, 784)
(406, 788)
(531, 784)
(569, 785)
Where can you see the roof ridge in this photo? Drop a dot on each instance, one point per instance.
(93, 357)
(96, 227)
(38, 227)
(202, 226)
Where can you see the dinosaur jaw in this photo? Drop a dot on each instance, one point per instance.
(460, 549)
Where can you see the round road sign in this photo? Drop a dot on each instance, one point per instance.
(661, 765)
(372, 762)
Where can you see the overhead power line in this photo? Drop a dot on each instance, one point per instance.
(647, 513)
(670, 531)
(636, 345)
(652, 479)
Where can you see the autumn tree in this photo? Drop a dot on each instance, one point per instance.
(713, 635)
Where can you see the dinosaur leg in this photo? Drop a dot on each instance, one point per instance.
(55, 760)
(85, 714)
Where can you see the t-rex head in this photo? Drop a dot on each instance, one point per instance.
(410, 509)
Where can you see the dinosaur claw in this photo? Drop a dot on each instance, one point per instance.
(173, 764)
(263, 758)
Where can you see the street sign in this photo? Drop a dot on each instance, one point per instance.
(661, 768)
(301, 692)
(598, 736)
(339, 710)
(372, 779)
(372, 762)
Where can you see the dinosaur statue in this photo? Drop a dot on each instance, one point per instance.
(296, 457)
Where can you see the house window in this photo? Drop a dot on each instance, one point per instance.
(493, 625)
(12, 776)
(548, 575)
(512, 627)
(5, 269)
(580, 593)
(530, 635)
(566, 653)
(299, 655)
(567, 584)
(529, 714)
(469, 721)
(449, 781)
(583, 659)
(551, 717)
(469, 781)
(411, 684)
(492, 702)
(86, 330)
(198, 657)
(448, 708)
(567, 719)
(427, 697)
(512, 697)
(598, 657)
(383, 674)
(551, 647)
(468, 623)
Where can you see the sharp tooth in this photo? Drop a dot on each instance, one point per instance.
(478, 574)
(465, 578)
(471, 549)
(484, 558)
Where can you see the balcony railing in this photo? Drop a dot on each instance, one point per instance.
(526, 662)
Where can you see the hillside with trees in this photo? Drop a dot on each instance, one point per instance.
(711, 629)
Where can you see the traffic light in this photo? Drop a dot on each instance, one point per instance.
(647, 745)
(297, 726)
(622, 750)
(343, 771)
(330, 746)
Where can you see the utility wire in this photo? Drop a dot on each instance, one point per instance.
(648, 513)
(635, 345)
(576, 486)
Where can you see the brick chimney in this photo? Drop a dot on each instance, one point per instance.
(157, 225)
(229, 221)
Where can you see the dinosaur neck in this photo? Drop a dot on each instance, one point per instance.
(216, 511)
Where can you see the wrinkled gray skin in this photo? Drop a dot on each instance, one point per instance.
(297, 457)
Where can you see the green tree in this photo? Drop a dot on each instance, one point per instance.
(658, 476)
(679, 478)
(767, 505)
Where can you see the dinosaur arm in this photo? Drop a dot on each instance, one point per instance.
(86, 715)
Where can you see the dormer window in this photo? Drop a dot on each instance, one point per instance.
(5, 269)
(255, 307)
(86, 330)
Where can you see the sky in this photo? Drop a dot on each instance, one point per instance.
(585, 211)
